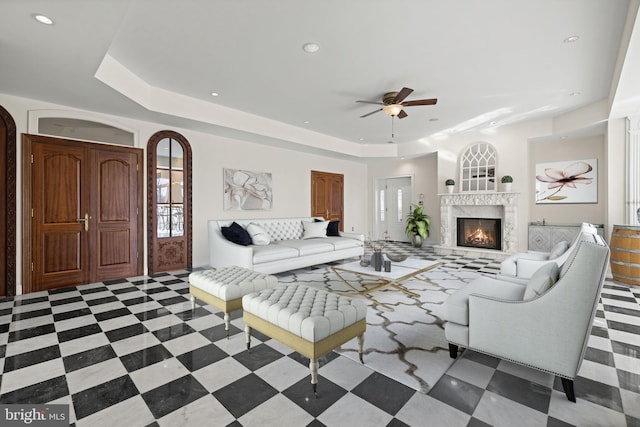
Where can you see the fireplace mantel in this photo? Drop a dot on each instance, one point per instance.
(451, 204)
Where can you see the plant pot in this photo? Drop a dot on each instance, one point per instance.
(506, 186)
(449, 189)
(417, 241)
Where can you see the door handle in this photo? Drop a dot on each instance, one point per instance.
(86, 221)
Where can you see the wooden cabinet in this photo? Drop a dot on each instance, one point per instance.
(543, 237)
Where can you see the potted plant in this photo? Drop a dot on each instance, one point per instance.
(506, 181)
(450, 183)
(418, 225)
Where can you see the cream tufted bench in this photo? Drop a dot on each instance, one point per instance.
(224, 287)
(311, 321)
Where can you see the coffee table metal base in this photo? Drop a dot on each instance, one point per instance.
(400, 271)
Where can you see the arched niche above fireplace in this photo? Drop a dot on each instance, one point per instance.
(478, 168)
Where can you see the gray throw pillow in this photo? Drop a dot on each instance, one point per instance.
(545, 277)
(558, 249)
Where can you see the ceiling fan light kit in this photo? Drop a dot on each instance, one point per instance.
(392, 109)
(393, 103)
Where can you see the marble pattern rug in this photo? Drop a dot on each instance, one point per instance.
(407, 344)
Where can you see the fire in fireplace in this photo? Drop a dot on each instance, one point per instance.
(483, 233)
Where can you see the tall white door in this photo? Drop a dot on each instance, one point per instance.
(394, 204)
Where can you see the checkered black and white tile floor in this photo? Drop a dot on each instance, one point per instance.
(132, 352)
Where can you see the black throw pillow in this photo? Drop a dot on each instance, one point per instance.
(236, 234)
(332, 228)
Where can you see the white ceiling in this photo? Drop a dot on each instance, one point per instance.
(489, 63)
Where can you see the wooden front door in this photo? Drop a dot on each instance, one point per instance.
(84, 203)
(327, 196)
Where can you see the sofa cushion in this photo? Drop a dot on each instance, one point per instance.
(272, 252)
(259, 235)
(307, 247)
(236, 234)
(558, 249)
(456, 307)
(313, 230)
(343, 242)
(333, 229)
(541, 280)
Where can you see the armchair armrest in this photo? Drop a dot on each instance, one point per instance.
(541, 332)
(356, 236)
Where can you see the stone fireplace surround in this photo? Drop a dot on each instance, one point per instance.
(478, 205)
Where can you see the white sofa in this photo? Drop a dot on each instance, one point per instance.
(544, 324)
(287, 249)
(520, 267)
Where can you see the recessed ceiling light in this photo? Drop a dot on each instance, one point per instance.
(433, 119)
(311, 47)
(306, 122)
(493, 123)
(361, 139)
(574, 94)
(214, 94)
(571, 39)
(42, 19)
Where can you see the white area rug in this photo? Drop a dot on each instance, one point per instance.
(408, 344)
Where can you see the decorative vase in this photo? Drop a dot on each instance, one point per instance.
(449, 189)
(507, 186)
(376, 260)
(364, 261)
(417, 241)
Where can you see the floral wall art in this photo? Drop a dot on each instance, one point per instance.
(574, 181)
(247, 190)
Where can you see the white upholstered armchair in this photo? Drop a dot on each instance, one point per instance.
(521, 266)
(544, 324)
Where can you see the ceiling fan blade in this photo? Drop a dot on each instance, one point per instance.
(371, 102)
(432, 101)
(402, 114)
(368, 114)
(403, 94)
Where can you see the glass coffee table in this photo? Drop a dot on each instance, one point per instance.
(400, 271)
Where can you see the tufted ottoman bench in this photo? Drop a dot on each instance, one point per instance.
(224, 287)
(311, 321)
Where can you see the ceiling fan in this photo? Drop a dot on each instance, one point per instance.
(394, 103)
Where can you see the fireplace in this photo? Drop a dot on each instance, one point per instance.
(483, 233)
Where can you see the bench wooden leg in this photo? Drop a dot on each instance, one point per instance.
(360, 346)
(227, 322)
(313, 367)
(247, 335)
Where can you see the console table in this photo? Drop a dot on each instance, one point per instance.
(543, 237)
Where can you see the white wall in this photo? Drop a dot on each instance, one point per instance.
(424, 171)
(291, 172)
(565, 150)
(615, 144)
(511, 143)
